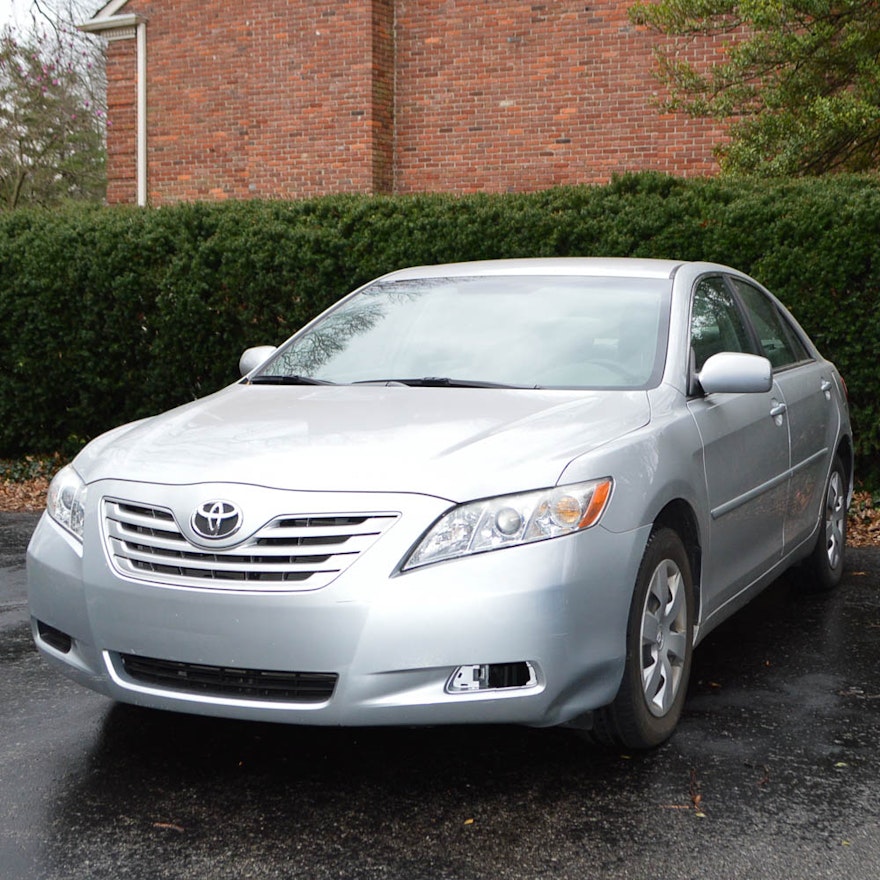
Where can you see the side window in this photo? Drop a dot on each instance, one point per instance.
(779, 341)
(716, 322)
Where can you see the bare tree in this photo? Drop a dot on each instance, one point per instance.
(52, 109)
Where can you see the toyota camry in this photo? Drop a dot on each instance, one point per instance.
(515, 491)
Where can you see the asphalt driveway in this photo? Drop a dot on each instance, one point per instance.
(774, 772)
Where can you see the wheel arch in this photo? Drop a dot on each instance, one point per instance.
(679, 516)
(847, 456)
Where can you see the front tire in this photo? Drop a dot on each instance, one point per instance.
(658, 652)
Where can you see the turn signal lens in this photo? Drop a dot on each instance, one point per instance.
(596, 505)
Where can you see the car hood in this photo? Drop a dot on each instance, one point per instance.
(451, 443)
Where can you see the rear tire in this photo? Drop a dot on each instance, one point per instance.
(658, 651)
(822, 571)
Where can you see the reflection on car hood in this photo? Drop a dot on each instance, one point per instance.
(451, 443)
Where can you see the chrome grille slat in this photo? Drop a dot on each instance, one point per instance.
(215, 562)
(216, 579)
(286, 533)
(321, 544)
(146, 553)
(142, 517)
(158, 539)
(292, 552)
(157, 513)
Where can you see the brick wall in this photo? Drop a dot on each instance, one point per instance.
(527, 95)
(121, 114)
(290, 98)
(255, 99)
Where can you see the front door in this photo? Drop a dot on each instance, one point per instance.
(745, 456)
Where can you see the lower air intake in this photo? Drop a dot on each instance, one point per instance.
(225, 681)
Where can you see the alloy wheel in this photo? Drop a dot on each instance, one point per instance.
(664, 638)
(835, 519)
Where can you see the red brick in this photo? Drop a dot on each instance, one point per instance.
(294, 99)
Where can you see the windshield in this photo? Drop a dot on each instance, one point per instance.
(519, 331)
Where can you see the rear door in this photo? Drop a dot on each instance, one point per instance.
(805, 383)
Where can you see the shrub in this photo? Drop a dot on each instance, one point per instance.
(111, 314)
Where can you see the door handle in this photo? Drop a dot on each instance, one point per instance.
(826, 388)
(777, 410)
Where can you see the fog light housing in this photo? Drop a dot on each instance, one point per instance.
(56, 639)
(491, 676)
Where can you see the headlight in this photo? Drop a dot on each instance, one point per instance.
(510, 520)
(66, 500)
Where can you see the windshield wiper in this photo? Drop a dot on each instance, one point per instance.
(288, 380)
(439, 382)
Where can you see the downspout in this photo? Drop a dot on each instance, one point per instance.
(142, 114)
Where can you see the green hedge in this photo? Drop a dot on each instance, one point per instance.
(109, 314)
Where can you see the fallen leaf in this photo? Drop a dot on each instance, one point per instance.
(169, 826)
(23, 496)
(696, 796)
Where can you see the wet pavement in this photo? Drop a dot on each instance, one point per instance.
(774, 772)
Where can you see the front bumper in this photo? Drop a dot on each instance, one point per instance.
(391, 641)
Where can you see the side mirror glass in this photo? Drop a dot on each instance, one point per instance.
(254, 357)
(732, 372)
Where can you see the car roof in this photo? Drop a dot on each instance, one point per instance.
(587, 266)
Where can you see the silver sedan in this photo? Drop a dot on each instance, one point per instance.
(512, 491)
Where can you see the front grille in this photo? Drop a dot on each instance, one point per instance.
(292, 552)
(223, 681)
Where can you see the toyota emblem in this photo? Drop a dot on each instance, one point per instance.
(216, 519)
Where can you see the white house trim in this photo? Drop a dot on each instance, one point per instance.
(109, 10)
(124, 27)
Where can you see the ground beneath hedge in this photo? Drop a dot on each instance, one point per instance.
(25, 495)
(863, 528)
